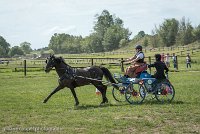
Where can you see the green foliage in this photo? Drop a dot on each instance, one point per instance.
(4, 47)
(197, 33)
(26, 47)
(65, 43)
(108, 32)
(145, 42)
(185, 35)
(140, 35)
(95, 43)
(168, 31)
(16, 50)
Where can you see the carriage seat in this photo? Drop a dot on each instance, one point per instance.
(140, 69)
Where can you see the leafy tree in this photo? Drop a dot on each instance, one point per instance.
(95, 43)
(4, 47)
(123, 43)
(185, 35)
(26, 47)
(197, 33)
(168, 31)
(109, 30)
(65, 43)
(140, 35)
(104, 21)
(155, 39)
(145, 42)
(16, 50)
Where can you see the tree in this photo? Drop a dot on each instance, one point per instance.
(168, 31)
(140, 35)
(65, 43)
(109, 30)
(104, 21)
(145, 42)
(4, 47)
(26, 47)
(95, 43)
(16, 50)
(154, 39)
(123, 43)
(197, 33)
(185, 35)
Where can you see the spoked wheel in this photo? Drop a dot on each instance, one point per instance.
(136, 94)
(119, 94)
(165, 92)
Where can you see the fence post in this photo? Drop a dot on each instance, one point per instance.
(177, 62)
(24, 67)
(150, 63)
(92, 61)
(122, 65)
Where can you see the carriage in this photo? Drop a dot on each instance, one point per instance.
(135, 90)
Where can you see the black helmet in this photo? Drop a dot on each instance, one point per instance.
(158, 57)
(138, 47)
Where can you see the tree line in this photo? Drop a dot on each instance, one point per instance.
(170, 33)
(109, 34)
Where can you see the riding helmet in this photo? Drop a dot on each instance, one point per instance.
(138, 47)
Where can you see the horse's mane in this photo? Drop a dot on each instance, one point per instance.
(63, 61)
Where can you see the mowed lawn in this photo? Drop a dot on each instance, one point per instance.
(22, 110)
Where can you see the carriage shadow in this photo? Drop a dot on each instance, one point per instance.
(155, 102)
(89, 106)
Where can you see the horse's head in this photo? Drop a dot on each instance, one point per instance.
(51, 62)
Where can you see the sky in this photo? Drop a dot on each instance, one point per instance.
(35, 21)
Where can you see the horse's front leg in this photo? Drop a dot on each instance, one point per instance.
(75, 97)
(53, 92)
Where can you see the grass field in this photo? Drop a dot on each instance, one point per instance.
(22, 109)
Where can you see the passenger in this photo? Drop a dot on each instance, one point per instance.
(137, 60)
(160, 68)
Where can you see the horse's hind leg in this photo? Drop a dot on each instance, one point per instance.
(53, 92)
(102, 88)
(75, 97)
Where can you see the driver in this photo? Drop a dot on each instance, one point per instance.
(137, 60)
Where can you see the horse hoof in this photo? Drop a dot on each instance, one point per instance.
(101, 104)
(77, 103)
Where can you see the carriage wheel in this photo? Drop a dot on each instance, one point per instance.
(136, 94)
(119, 94)
(165, 92)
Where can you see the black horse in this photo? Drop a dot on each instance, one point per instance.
(72, 78)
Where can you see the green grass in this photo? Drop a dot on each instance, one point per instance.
(22, 108)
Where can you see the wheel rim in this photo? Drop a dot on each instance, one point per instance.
(165, 92)
(135, 95)
(119, 94)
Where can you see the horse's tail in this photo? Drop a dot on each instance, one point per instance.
(107, 74)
